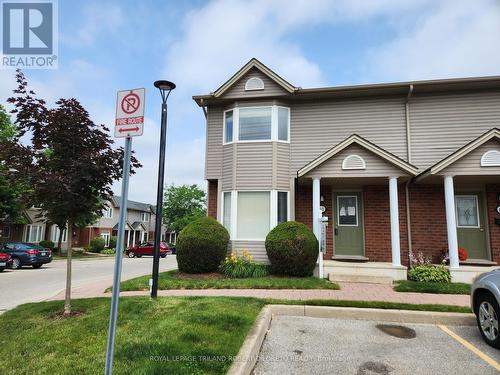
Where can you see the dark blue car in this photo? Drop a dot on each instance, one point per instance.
(27, 254)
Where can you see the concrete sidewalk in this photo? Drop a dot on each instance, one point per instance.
(348, 291)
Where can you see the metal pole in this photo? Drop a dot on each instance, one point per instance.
(113, 314)
(159, 200)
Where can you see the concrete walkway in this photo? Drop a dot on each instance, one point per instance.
(348, 291)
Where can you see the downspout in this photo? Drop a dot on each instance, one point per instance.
(407, 186)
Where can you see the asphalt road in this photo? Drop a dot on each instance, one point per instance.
(302, 345)
(31, 285)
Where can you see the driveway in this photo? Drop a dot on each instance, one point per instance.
(30, 285)
(303, 345)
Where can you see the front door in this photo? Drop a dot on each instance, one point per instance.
(348, 224)
(471, 230)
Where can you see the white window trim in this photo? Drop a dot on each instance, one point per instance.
(28, 230)
(344, 162)
(55, 237)
(110, 209)
(338, 211)
(236, 125)
(107, 238)
(255, 89)
(148, 216)
(476, 198)
(273, 211)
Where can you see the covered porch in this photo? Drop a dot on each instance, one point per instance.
(357, 209)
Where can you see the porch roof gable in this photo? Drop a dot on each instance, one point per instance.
(356, 139)
(461, 152)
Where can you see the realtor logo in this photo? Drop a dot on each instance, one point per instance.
(29, 38)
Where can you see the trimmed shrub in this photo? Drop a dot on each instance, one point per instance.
(108, 251)
(430, 273)
(112, 242)
(47, 244)
(202, 246)
(242, 266)
(97, 245)
(292, 249)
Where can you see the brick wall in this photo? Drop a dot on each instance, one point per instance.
(428, 220)
(492, 201)
(212, 198)
(377, 220)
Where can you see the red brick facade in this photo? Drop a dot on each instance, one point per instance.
(427, 215)
(212, 198)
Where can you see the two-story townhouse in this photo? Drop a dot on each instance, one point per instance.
(140, 226)
(381, 170)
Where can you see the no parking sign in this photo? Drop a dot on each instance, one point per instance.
(130, 113)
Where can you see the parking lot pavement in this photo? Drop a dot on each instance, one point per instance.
(34, 285)
(303, 345)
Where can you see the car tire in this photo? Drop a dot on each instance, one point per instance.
(16, 263)
(488, 319)
(138, 256)
(131, 254)
(163, 255)
(2, 269)
(36, 266)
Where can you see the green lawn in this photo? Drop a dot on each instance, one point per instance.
(176, 280)
(33, 341)
(81, 256)
(427, 287)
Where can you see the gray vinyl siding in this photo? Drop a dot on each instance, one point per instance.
(254, 165)
(227, 167)
(471, 164)
(375, 166)
(282, 166)
(213, 157)
(318, 126)
(256, 249)
(271, 88)
(441, 124)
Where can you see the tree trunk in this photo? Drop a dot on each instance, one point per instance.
(67, 298)
(59, 240)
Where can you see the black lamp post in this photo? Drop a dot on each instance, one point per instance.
(165, 88)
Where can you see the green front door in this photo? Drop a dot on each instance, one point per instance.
(471, 229)
(348, 224)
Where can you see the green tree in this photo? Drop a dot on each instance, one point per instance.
(182, 205)
(14, 188)
(74, 162)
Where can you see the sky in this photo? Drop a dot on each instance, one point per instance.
(105, 46)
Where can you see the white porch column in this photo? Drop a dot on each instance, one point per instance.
(316, 200)
(393, 201)
(449, 198)
(133, 238)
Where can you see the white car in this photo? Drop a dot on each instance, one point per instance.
(485, 302)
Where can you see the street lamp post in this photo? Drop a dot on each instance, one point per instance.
(165, 88)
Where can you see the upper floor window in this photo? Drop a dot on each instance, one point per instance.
(107, 212)
(145, 217)
(249, 124)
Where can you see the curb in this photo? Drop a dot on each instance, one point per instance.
(249, 352)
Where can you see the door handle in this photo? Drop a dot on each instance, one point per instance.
(481, 229)
(336, 231)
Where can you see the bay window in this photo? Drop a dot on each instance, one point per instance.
(250, 215)
(56, 232)
(247, 124)
(33, 233)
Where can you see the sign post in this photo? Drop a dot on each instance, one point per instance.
(129, 123)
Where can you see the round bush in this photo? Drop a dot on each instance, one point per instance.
(292, 249)
(430, 273)
(97, 244)
(202, 246)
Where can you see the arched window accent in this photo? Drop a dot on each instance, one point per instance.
(254, 83)
(490, 159)
(353, 162)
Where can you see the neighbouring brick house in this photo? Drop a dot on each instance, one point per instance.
(389, 167)
(139, 226)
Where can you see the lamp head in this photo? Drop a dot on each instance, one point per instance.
(164, 85)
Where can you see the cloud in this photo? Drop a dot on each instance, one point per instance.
(458, 38)
(98, 18)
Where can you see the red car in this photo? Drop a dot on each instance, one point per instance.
(5, 261)
(146, 248)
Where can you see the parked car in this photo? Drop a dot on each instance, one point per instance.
(27, 254)
(5, 261)
(485, 302)
(172, 248)
(146, 248)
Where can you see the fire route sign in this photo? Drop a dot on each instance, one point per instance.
(130, 113)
